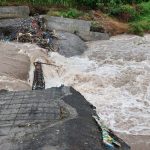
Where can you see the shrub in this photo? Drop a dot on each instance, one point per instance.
(143, 8)
(87, 3)
(125, 13)
(137, 29)
(71, 13)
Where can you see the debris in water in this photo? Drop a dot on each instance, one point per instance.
(108, 140)
(33, 30)
(36, 32)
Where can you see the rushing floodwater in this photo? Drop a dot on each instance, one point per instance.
(113, 75)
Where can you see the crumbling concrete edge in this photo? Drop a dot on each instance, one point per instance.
(94, 114)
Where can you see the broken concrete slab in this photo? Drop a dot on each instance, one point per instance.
(56, 118)
(68, 25)
(14, 12)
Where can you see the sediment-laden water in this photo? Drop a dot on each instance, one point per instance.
(113, 75)
(14, 68)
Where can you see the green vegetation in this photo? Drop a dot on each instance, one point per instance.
(142, 22)
(134, 12)
(70, 3)
(137, 15)
(67, 13)
(75, 3)
(125, 13)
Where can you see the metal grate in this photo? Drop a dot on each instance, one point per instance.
(21, 108)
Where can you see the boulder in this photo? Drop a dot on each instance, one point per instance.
(14, 12)
(70, 44)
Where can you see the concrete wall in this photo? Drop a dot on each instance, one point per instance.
(79, 27)
(14, 12)
(69, 25)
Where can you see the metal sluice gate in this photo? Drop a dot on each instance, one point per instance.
(38, 80)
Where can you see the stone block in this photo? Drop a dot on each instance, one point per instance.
(68, 25)
(14, 12)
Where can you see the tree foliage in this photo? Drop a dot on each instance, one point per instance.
(75, 3)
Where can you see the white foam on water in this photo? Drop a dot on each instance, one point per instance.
(12, 84)
(108, 87)
(118, 87)
(113, 75)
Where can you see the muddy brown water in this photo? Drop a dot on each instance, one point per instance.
(113, 75)
(14, 68)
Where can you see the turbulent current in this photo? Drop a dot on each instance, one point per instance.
(113, 75)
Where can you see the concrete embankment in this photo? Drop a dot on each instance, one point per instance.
(14, 12)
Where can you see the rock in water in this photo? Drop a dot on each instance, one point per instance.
(70, 44)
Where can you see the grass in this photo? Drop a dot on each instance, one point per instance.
(67, 13)
(141, 24)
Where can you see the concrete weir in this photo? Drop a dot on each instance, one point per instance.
(53, 119)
